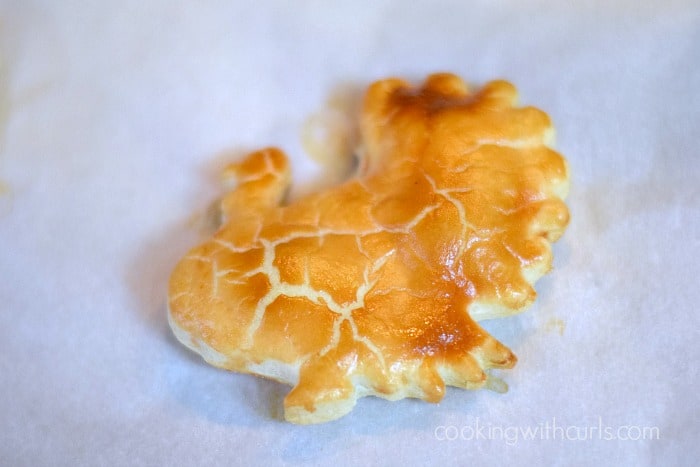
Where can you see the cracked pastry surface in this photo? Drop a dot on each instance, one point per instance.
(375, 287)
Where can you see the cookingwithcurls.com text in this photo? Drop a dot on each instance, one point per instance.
(548, 430)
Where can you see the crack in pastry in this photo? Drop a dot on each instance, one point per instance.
(375, 287)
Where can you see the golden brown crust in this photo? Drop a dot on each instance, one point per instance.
(375, 286)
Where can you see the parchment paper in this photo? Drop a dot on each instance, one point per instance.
(115, 116)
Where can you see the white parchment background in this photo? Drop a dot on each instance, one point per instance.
(114, 117)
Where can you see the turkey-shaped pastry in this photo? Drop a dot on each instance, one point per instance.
(375, 287)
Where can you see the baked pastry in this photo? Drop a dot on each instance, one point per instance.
(375, 287)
